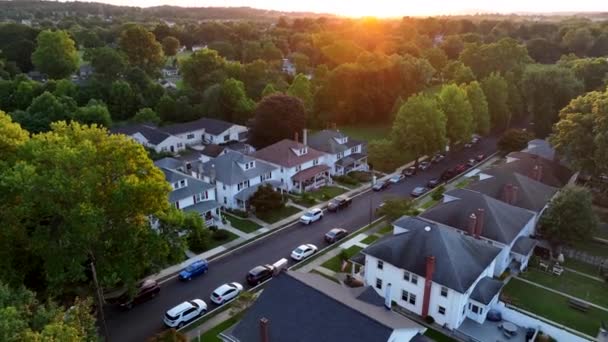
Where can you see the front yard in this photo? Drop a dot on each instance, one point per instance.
(326, 193)
(370, 239)
(553, 307)
(335, 263)
(278, 215)
(244, 225)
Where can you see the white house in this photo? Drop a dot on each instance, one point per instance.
(237, 177)
(301, 168)
(432, 270)
(490, 220)
(151, 137)
(206, 130)
(344, 153)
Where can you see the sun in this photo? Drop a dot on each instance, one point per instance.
(379, 8)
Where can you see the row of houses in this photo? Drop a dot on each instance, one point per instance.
(445, 263)
(215, 153)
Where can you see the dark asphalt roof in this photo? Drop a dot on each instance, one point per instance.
(305, 307)
(151, 133)
(351, 159)
(502, 222)
(202, 207)
(541, 148)
(211, 126)
(553, 173)
(195, 186)
(228, 170)
(169, 163)
(524, 245)
(307, 174)
(213, 150)
(486, 289)
(369, 295)
(281, 153)
(531, 194)
(459, 259)
(325, 141)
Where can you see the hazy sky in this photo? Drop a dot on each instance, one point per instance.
(384, 8)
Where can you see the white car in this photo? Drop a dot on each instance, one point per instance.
(226, 293)
(185, 312)
(397, 178)
(312, 216)
(303, 252)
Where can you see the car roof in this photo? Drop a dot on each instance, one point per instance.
(198, 263)
(314, 210)
(224, 288)
(341, 197)
(148, 283)
(179, 309)
(335, 230)
(305, 246)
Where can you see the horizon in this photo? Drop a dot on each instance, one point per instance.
(381, 8)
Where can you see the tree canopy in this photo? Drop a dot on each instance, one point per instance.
(479, 107)
(141, 48)
(277, 117)
(55, 54)
(455, 105)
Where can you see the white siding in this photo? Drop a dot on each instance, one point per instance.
(231, 134)
(172, 141)
(193, 137)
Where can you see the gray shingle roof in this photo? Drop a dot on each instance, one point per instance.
(502, 222)
(169, 163)
(351, 159)
(195, 186)
(541, 148)
(524, 245)
(486, 289)
(459, 259)
(244, 194)
(151, 133)
(304, 307)
(211, 126)
(227, 169)
(281, 153)
(202, 207)
(553, 173)
(531, 195)
(213, 150)
(325, 141)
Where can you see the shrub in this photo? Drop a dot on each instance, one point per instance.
(429, 319)
(198, 241)
(438, 193)
(345, 180)
(213, 228)
(220, 235)
(360, 176)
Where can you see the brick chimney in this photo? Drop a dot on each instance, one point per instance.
(479, 225)
(506, 193)
(428, 282)
(472, 224)
(264, 335)
(295, 136)
(514, 191)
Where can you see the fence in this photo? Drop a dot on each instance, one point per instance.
(594, 260)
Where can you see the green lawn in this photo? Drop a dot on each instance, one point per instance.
(244, 225)
(571, 283)
(463, 183)
(593, 248)
(211, 334)
(335, 263)
(386, 229)
(302, 201)
(428, 203)
(553, 307)
(214, 243)
(370, 239)
(368, 132)
(437, 336)
(326, 193)
(278, 215)
(582, 267)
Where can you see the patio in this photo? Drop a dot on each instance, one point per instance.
(489, 332)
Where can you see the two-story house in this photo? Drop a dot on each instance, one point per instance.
(305, 307)
(301, 167)
(432, 270)
(151, 137)
(191, 194)
(546, 171)
(491, 221)
(346, 154)
(237, 177)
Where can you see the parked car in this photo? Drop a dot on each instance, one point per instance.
(460, 168)
(382, 185)
(475, 139)
(437, 158)
(408, 172)
(311, 216)
(424, 165)
(418, 191)
(303, 251)
(338, 203)
(226, 293)
(259, 274)
(184, 312)
(433, 183)
(146, 290)
(336, 234)
(194, 269)
(471, 162)
(448, 174)
(480, 157)
(396, 178)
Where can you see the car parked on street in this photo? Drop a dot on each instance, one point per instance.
(437, 158)
(460, 168)
(424, 165)
(194, 269)
(419, 191)
(480, 157)
(381, 185)
(338, 203)
(259, 274)
(303, 251)
(433, 183)
(408, 172)
(336, 234)
(226, 293)
(471, 162)
(183, 313)
(311, 216)
(397, 178)
(146, 290)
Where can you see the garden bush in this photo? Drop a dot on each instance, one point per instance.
(220, 235)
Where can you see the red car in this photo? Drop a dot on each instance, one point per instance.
(460, 168)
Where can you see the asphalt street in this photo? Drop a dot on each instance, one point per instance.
(144, 320)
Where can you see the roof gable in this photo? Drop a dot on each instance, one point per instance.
(211, 126)
(228, 168)
(282, 153)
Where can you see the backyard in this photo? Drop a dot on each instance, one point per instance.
(244, 225)
(592, 247)
(277, 215)
(335, 263)
(553, 306)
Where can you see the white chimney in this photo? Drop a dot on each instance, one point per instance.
(305, 137)
(387, 297)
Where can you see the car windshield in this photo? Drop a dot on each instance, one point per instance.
(215, 295)
(171, 318)
(299, 250)
(331, 233)
(193, 304)
(309, 214)
(191, 268)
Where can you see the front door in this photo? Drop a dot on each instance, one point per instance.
(172, 148)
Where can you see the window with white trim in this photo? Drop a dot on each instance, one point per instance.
(406, 275)
(414, 279)
(444, 291)
(412, 299)
(315, 162)
(441, 310)
(298, 168)
(380, 264)
(379, 283)
(190, 136)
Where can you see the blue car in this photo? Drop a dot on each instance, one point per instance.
(194, 269)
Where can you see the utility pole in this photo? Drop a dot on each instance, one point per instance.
(100, 301)
(371, 211)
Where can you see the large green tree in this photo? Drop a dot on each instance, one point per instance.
(55, 54)
(578, 41)
(141, 48)
(95, 112)
(479, 107)
(514, 140)
(455, 105)
(301, 88)
(420, 126)
(502, 56)
(395, 207)
(170, 46)
(122, 102)
(44, 110)
(277, 117)
(108, 63)
(236, 106)
(202, 69)
(592, 71)
(496, 89)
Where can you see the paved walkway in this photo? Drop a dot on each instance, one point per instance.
(193, 335)
(563, 294)
(584, 274)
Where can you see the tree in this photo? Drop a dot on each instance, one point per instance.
(569, 216)
(202, 69)
(55, 54)
(95, 112)
(503, 56)
(235, 105)
(547, 89)
(514, 140)
(496, 89)
(452, 46)
(458, 112)
(141, 48)
(107, 63)
(122, 100)
(44, 110)
(12, 136)
(87, 189)
(277, 117)
(266, 199)
(301, 88)
(458, 73)
(543, 51)
(146, 115)
(166, 108)
(394, 208)
(420, 126)
(436, 57)
(479, 107)
(269, 90)
(592, 71)
(170, 46)
(578, 41)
